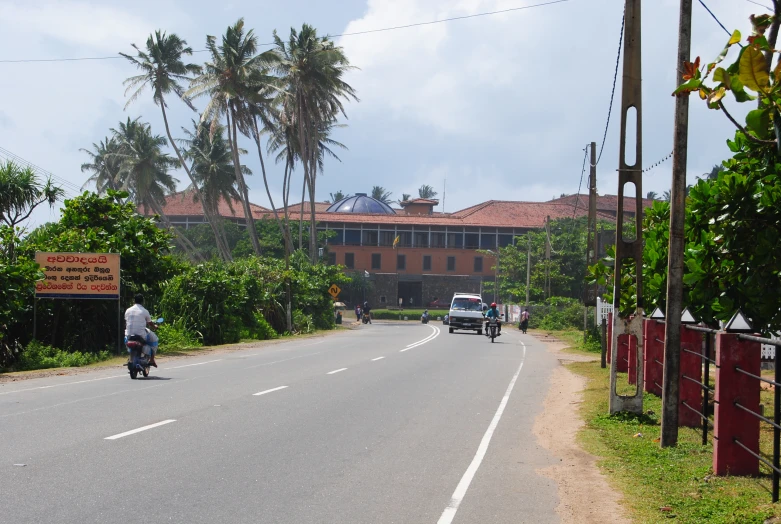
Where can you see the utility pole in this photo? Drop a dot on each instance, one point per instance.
(672, 335)
(629, 247)
(590, 296)
(547, 257)
(528, 267)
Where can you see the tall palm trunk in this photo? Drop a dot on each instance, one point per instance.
(221, 247)
(306, 158)
(183, 241)
(301, 214)
(233, 138)
(282, 230)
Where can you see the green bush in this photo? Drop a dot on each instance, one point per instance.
(413, 314)
(39, 356)
(174, 337)
(302, 323)
(261, 330)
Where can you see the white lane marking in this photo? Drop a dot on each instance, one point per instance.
(63, 384)
(139, 430)
(429, 338)
(463, 485)
(198, 364)
(336, 371)
(432, 335)
(268, 391)
(376, 359)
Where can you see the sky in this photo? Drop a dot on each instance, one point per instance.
(491, 107)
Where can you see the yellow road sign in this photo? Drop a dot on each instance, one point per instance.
(334, 290)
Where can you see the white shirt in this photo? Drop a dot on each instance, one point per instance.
(136, 318)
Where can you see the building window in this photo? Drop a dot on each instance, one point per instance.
(370, 238)
(472, 240)
(376, 261)
(331, 259)
(426, 262)
(386, 238)
(352, 237)
(488, 241)
(437, 240)
(451, 263)
(505, 240)
(421, 239)
(382, 299)
(478, 264)
(401, 261)
(349, 260)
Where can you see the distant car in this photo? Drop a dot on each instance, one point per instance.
(440, 303)
(445, 320)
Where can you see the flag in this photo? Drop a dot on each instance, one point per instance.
(396, 241)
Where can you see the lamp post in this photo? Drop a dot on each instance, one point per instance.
(496, 272)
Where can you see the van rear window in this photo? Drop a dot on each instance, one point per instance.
(467, 304)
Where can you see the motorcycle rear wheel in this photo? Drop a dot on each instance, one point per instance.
(133, 374)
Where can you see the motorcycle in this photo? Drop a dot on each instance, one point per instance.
(367, 319)
(424, 317)
(492, 329)
(140, 349)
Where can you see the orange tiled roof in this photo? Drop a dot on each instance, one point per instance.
(429, 201)
(493, 213)
(183, 204)
(604, 202)
(320, 207)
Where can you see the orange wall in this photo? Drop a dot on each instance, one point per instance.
(464, 260)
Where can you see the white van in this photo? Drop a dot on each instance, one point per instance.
(466, 312)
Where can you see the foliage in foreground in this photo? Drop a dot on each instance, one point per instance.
(40, 356)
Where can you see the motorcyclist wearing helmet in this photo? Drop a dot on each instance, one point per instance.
(367, 310)
(494, 313)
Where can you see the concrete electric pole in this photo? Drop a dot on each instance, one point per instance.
(672, 336)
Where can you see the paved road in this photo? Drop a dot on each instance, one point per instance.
(386, 424)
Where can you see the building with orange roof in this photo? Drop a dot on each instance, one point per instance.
(436, 254)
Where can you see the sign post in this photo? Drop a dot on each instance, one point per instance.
(79, 276)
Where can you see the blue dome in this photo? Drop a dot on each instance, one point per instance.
(361, 203)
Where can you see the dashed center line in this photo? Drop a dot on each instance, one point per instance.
(198, 364)
(336, 371)
(378, 358)
(139, 430)
(268, 391)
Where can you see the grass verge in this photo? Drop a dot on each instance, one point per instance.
(658, 484)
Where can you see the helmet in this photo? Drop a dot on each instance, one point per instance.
(493, 304)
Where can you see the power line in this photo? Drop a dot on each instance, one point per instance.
(761, 5)
(368, 31)
(714, 17)
(613, 92)
(577, 197)
(663, 160)
(67, 186)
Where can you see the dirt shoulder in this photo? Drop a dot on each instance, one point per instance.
(118, 363)
(584, 493)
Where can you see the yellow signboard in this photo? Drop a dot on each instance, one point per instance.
(78, 275)
(334, 290)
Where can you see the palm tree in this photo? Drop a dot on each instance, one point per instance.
(144, 172)
(162, 70)
(651, 195)
(20, 193)
(336, 197)
(311, 71)
(379, 193)
(232, 80)
(211, 161)
(103, 165)
(426, 191)
(404, 198)
(666, 196)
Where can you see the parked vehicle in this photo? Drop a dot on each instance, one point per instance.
(492, 329)
(466, 313)
(141, 350)
(439, 303)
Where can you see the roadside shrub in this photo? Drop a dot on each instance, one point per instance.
(261, 330)
(208, 300)
(175, 337)
(558, 313)
(302, 323)
(39, 356)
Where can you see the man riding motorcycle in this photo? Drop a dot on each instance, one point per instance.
(367, 311)
(137, 318)
(494, 313)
